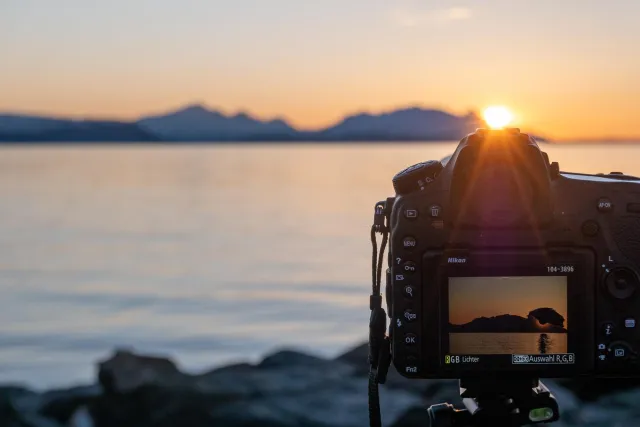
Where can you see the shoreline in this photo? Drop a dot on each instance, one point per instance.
(286, 388)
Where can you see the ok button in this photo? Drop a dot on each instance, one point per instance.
(410, 339)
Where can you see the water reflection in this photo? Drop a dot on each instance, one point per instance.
(208, 253)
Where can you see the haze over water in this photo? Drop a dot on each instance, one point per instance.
(210, 254)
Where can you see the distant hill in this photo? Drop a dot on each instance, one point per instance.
(548, 320)
(197, 123)
(19, 128)
(401, 125)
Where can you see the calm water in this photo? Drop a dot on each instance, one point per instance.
(206, 253)
(506, 343)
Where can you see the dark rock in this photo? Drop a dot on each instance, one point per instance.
(548, 316)
(18, 406)
(153, 406)
(286, 389)
(81, 418)
(125, 371)
(60, 405)
(288, 358)
(414, 417)
(357, 356)
(591, 389)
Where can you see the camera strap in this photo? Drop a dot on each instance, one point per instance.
(379, 344)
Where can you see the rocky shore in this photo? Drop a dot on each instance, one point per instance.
(286, 389)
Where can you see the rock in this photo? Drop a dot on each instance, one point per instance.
(590, 389)
(126, 371)
(81, 418)
(60, 405)
(547, 316)
(357, 356)
(36, 420)
(154, 406)
(414, 417)
(286, 389)
(18, 407)
(289, 358)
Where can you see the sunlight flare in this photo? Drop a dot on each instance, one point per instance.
(497, 117)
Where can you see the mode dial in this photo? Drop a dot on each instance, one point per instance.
(416, 177)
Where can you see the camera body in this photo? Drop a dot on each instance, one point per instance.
(500, 263)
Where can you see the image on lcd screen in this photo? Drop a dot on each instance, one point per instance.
(508, 315)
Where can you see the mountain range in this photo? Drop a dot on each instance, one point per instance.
(196, 123)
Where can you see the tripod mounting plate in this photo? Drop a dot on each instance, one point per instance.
(498, 402)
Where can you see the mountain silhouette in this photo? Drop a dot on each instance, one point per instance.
(25, 128)
(198, 123)
(405, 124)
(538, 320)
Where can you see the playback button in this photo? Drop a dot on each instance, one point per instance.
(411, 213)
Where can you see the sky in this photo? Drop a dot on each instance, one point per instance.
(567, 69)
(473, 297)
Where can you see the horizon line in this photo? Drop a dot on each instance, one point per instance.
(282, 117)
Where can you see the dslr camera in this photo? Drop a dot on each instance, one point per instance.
(501, 264)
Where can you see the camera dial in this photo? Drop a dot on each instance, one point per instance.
(622, 282)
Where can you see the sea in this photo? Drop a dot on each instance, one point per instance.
(506, 343)
(208, 254)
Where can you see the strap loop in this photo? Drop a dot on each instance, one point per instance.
(379, 344)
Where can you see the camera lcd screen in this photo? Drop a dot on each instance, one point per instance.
(508, 320)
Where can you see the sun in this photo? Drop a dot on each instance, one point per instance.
(497, 117)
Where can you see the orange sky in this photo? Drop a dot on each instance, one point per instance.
(473, 297)
(566, 71)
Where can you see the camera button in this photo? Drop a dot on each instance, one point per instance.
(620, 351)
(409, 315)
(608, 329)
(411, 213)
(409, 291)
(410, 339)
(409, 242)
(409, 267)
(435, 211)
(605, 205)
(412, 365)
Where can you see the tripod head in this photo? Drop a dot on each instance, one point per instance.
(498, 403)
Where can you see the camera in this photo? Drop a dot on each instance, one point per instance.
(499, 263)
